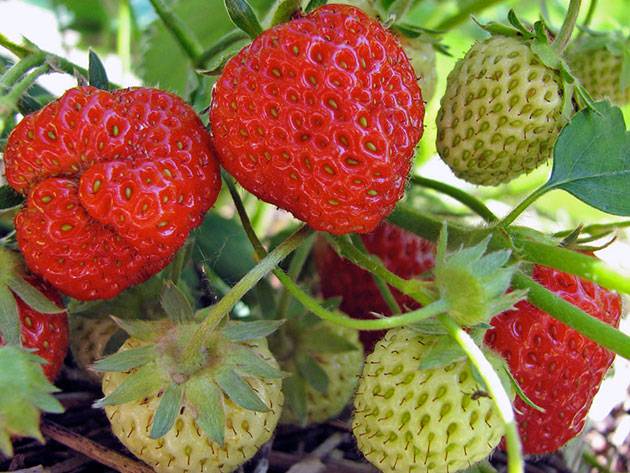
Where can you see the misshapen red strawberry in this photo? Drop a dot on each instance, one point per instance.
(114, 181)
(401, 252)
(559, 369)
(320, 116)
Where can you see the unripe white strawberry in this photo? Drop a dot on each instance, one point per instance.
(185, 447)
(430, 420)
(88, 341)
(342, 368)
(501, 113)
(599, 69)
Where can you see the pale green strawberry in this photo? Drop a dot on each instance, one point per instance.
(186, 448)
(434, 420)
(318, 393)
(598, 61)
(501, 113)
(89, 339)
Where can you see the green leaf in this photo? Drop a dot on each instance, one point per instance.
(33, 297)
(144, 382)
(294, 389)
(145, 330)
(313, 373)
(97, 77)
(25, 391)
(443, 352)
(592, 159)
(9, 199)
(243, 331)
(207, 401)
(175, 303)
(126, 360)
(324, 340)
(243, 16)
(237, 389)
(247, 362)
(167, 411)
(9, 318)
(313, 4)
(285, 10)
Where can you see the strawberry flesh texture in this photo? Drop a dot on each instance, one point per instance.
(47, 334)
(156, 176)
(559, 369)
(320, 116)
(403, 253)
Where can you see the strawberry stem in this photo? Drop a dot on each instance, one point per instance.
(179, 30)
(123, 36)
(591, 327)
(461, 196)
(520, 208)
(589, 16)
(212, 315)
(19, 69)
(8, 103)
(495, 388)
(295, 268)
(562, 40)
(220, 46)
(465, 12)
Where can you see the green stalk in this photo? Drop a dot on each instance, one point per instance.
(223, 43)
(19, 69)
(295, 268)
(562, 40)
(179, 30)
(19, 51)
(123, 36)
(8, 103)
(410, 287)
(520, 208)
(470, 9)
(213, 314)
(465, 198)
(573, 262)
(495, 389)
(591, 327)
(382, 286)
(589, 16)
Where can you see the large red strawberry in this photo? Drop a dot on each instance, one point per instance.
(559, 369)
(320, 116)
(44, 333)
(115, 181)
(401, 252)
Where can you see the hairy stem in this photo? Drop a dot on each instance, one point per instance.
(562, 40)
(123, 36)
(213, 314)
(589, 16)
(382, 286)
(495, 388)
(573, 262)
(12, 75)
(465, 198)
(8, 103)
(520, 208)
(591, 327)
(295, 268)
(179, 30)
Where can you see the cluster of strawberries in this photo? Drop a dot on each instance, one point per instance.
(319, 116)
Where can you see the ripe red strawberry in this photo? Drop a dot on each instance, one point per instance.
(402, 252)
(559, 369)
(320, 116)
(115, 181)
(46, 334)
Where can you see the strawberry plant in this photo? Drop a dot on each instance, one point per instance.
(257, 242)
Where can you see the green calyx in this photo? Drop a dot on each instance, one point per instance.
(21, 372)
(160, 365)
(473, 283)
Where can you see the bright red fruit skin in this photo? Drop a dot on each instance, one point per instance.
(320, 116)
(47, 334)
(115, 181)
(559, 369)
(403, 253)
